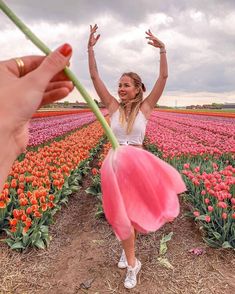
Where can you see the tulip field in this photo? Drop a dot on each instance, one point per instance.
(63, 144)
(202, 148)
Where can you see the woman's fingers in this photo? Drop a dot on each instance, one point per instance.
(60, 84)
(54, 95)
(61, 76)
(93, 29)
(148, 33)
(51, 66)
(150, 43)
(97, 37)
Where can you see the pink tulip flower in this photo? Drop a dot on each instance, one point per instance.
(139, 190)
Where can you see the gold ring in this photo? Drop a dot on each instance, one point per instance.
(20, 65)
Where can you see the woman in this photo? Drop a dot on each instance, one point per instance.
(129, 118)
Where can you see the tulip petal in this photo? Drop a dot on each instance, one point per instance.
(139, 190)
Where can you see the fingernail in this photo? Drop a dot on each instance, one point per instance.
(66, 50)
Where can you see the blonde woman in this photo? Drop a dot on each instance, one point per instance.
(129, 116)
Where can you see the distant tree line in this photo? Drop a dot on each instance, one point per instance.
(206, 106)
(67, 104)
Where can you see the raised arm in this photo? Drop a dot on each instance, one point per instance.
(106, 98)
(160, 83)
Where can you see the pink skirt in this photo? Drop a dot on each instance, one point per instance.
(139, 190)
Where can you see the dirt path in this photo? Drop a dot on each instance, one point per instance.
(83, 255)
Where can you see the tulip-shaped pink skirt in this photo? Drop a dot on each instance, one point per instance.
(139, 190)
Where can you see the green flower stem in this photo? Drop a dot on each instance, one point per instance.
(67, 71)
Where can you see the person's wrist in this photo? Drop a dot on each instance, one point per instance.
(162, 49)
(90, 49)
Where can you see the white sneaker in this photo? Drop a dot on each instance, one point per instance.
(131, 281)
(122, 262)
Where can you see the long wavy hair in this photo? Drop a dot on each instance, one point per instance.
(135, 102)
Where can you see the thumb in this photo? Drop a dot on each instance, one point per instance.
(55, 62)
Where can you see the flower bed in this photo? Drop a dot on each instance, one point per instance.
(38, 185)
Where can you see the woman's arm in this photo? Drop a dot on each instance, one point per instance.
(160, 83)
(106, 98)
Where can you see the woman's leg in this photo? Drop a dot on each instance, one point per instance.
(134, 265)
(129, 248)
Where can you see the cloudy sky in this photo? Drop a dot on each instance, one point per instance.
(199, 37)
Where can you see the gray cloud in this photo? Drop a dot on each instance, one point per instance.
(199, 36)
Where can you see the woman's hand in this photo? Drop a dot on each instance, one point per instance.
(25, 86)
(92, 39)
(154, 41)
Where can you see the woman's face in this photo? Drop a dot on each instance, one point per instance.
(126, 88)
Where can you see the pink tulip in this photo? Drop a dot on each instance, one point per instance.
(210, 208)
(196, 213)
(222, 204)
(187, 165)
(139, 190)
(207, 218)
(224, 215)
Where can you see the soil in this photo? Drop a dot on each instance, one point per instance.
(83, 255)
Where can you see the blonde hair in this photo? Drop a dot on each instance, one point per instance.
(135, 103)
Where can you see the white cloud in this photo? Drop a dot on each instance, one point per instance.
(197, 16)
(225, 24)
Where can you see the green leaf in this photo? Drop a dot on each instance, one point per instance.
(163, 245)
(9, 242)
(200, 217)
(217, 235)
(44, 229)
(163, 248)
(67, 193)
(35, 237)
(64, 201)
(74, 188)
(40, 244)
(65, 186)
(46, 239)
(212, 243)
(25, 239)
(167, 237)
(165, 262)
(18, 245)
(226, 245)
(91, 190)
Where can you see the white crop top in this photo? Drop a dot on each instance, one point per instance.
(136, 137)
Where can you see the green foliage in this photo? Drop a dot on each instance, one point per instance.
(95, 190)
